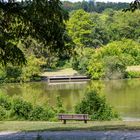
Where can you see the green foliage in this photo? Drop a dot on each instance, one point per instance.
(96, 106)
(86, 29)
(26, 73)
(33, 68)
(96, 70)
(81, 59)
(132, 74)
(39, 113)
(9, 50)
(95, 30)
(122, 25)
(13, 74)
(43, 20)
(110, 61)
(2, 74)
(21, 109)
(16, 108)
(133, 6)
(114, 68)
(5, 102)
(59, 105)
(79, 28)
(2, 113)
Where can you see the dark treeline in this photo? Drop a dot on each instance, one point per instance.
(92, 6)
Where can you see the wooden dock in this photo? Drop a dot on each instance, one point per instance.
(51, 79)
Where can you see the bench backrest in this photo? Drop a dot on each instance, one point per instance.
(73, 116)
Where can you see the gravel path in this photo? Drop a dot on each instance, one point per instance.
(72, 135)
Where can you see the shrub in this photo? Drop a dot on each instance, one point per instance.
(96, 70)
(133, 74)
(39, 113)
(2, 74)
(2, 113)
(21, 109)
(59, 105)
(5, 102)
(96, 106)
(50, 113)
(32, 68)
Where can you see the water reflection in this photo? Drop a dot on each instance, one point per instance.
(124, 95)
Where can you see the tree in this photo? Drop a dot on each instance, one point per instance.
(133, 6)
(43, 20)
(79, 27)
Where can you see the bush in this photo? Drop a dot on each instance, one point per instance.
(59, 105)
(39, 113)
(2, 113)
(96, 70)
(5, 102)
(21, 109)
(96, 106)
(2, 74)
(133, 74)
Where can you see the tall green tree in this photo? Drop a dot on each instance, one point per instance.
(79, 28)
(43, 20)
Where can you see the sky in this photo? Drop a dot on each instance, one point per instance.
(106, 0)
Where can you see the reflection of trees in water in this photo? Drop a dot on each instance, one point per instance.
(122, 84)
(41, 93)
(124, 95)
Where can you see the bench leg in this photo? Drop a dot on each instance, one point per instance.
(64, 122)
(85, 121)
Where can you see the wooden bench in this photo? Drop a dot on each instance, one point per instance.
(79, 117)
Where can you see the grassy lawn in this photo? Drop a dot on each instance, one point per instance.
(63, 72)
(71, 125)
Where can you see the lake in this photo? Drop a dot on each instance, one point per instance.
(123, 95)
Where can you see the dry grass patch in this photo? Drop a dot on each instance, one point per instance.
(63, 72)
(133, 68)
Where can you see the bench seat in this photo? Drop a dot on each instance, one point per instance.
(78, 117)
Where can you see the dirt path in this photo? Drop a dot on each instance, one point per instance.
(72, 135)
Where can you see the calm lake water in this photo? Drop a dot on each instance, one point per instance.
(124, 95)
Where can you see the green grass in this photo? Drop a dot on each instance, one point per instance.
(71, 125)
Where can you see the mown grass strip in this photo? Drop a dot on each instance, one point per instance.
(71, 125)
